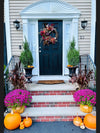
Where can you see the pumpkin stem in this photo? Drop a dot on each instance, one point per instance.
(77, 115)
(12, 112)
(27, 116)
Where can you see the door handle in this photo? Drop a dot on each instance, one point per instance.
(39, 47)
(39, 51)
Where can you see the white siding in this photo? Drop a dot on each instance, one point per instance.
(16, 6)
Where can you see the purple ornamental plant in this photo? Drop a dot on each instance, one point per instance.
(17, 98)
(85, 97)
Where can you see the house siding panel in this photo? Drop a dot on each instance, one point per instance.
(16, 6)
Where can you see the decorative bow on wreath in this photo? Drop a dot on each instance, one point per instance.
(46, 34)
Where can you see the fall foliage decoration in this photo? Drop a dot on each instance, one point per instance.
(47, 34)
(90, 121)
(27, 121)
(12, 120)
(77, 120)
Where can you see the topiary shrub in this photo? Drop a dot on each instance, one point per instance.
(73, 54)
(26, 56)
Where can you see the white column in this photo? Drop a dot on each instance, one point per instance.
(75, 31)
(93, 21)
(25, 29)
(7, 26)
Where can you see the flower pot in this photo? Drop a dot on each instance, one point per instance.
(28, 74)
(86, 108)
(72, 71)
(19, 109)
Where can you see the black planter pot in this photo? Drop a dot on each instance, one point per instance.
(72, 71)
(28, 74)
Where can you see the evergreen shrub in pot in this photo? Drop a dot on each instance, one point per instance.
(26, 59)
(73, 58)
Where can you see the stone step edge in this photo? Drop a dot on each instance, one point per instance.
(52, 98)
(52, 111)
(56, 87)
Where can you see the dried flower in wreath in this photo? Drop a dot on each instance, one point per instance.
(47, 33)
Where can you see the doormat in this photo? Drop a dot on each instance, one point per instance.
(50, 81)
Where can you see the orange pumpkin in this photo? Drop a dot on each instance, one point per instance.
(90, 121)
(27, 121)
(77, 120)
(12, 120)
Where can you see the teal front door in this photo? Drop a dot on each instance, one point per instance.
(50, 56)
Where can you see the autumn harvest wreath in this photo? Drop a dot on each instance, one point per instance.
(47, 33)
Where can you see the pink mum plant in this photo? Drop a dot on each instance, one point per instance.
(17, 97)
(85, 97)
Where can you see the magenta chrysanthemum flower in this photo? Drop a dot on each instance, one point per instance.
(17, 98)
(85, 97)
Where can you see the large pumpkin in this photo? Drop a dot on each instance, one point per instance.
(90, 121)
(12, 120)
(27, 121)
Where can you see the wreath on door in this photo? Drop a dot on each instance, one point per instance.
(47, 33)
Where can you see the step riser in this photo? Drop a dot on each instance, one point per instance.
(33, 93)
(53, 118)
(54, 104)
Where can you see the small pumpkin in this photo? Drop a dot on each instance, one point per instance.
(82, 126)
(27, 121)
(12, 120)
(22, 125)
(77, 120)
(90, 121)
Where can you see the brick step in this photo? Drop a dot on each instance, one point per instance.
(41, 114)
(53, 98)
(33, 93)
(54, 104)
(53, 101)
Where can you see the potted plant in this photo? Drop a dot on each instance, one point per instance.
(86, 98)
(73, 59)
(17, 100)
(17, 78)
(27, 60)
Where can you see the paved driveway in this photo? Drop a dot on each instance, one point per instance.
(51, 127)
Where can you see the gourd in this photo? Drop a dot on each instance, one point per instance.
(90, 121)
(27, 121)
(22, 125)
(12, 120)
(82, 126)
(77, 120)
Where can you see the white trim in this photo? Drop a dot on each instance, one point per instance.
(7, 26)
(93, 22)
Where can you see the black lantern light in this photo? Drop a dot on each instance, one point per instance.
(84, 24)
(16, 24)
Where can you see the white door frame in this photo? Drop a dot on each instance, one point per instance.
(68, 14)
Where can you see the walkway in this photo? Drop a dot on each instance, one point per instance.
(51, 127)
